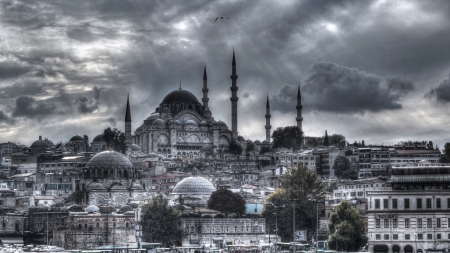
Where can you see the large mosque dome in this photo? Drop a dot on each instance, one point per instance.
(194, 185)
(180, 96)
(40, 144)
(109, 159)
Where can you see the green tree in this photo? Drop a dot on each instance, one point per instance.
(226, 201)
(114, 139)
(305, 187)
(235, 148)
(343, 168)
(337, 140)
(346, 229)
(161, 222)
(287, 137)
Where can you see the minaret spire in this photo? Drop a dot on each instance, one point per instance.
(268, 116)
(205, 89)
(299, 107)
(234, 99)
(128, 128)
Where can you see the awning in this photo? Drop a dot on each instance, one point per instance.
(12, 239)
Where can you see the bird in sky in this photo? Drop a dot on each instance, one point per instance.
(220, 18)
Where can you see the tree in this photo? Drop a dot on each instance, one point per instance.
(445, 157)
(362, 143)
(250, 147)
(265, 149)
(287, 137)
(235, 148)
(337, 140)
(303, 185)
(161, 222)
(326, 140)
(346, 229)
(114, 139)
(343, 168)
(226, 201)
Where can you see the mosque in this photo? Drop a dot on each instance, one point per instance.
(181, 125)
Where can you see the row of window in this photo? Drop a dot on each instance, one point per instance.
(386, 237)
(406, 203)
(420, 223)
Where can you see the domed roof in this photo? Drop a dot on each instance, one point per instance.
(98, 138)
(194, 185)
(180, 96)
(40, 144)
(50, 142)
(92, 209)
(96, 186)
(125, 208)
(265, 142)
(136, 186)
(257, 142)
(159, 123)
(154, 115)
(117, 187)
(109, 159)
(220, 123)
(177, 122)
(76, 138)
(190, 122)
(206, 148)
(203, 123)
(106, 209)
(134, 205)
(240, 138)
(135, 147)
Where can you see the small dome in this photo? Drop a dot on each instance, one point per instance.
(117, 187)
(265, 142)
(136, 186)
(177, 122)
(159, 123)
(135, 148)
(76, 138)
(203, 123)
(75, 208)
(125, 208)
(109, 159)
(194, 185)
(95, 186)
(92, 209)
(106, 209)
(152, 116)
(220, 124)
(50, 142)
(240, 138)
(190, 122)
(98, 138)
(139, 129)
(206, 149)
(134, 205)
(40, 144)
(257, 142)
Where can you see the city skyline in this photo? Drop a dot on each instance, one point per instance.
(372, 70)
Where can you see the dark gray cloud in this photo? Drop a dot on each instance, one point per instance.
(285, 99)
(31, 15)
(20, 89)
(4, 118)
(441, 93)
(87, 105)
(112, 121)
(11, 68)
(26, 106)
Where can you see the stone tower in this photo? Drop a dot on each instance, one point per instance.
(128, 128)
(205, 90)
(268, 126)
(234, 99)
(299, 107)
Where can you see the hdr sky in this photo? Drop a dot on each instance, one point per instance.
(371, 70)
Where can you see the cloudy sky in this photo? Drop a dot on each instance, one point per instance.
(371, 70)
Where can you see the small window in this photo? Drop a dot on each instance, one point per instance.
(97, 224)
(429, 223)
(438, 203)
(420, 236)
(386, 237)
(378, 236)
(407, 223)
(377, 204)
(438, 236)
(386, 223)
(419, 203)
(386, 203)
(377, 223)
(407, 237)
(428, 203)
(438, 222)
(419, 222)
(394, 203)
(429, 236)
(395, 237)
(406, 203)
(394, 223)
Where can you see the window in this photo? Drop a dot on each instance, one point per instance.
(378, 236)
(97, 224)
(377, 204)
(438, 222)
(438, 236)
(386, 223)
(395, 223)
(377, 223)
(428, 203)
(419, 236)
(438, 203)
(419, 222)
(394, 203)
(407, 223)
(429, 236)
(419, 203)
(448, 203)
(395, 237)
(386, 237)
(429, 223)
(385, 203)
(407, 237)
(406, 203)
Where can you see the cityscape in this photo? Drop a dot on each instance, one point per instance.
(224, 126)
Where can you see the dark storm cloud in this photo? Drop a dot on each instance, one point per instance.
(334, 88)
(87, 105)
(26, 14)
(285, 99)
(112, 121)
(4, 118)
(9, 68)
(441, 93)
(82, 34)
(21, 89)
(26, 106)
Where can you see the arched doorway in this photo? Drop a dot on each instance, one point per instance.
(409, 249)
(381, 248)
(395, 249)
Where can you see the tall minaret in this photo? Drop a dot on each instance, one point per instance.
(234, 99)
(299, 107)
(205, 90)
(128, 128)
(268, 126)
